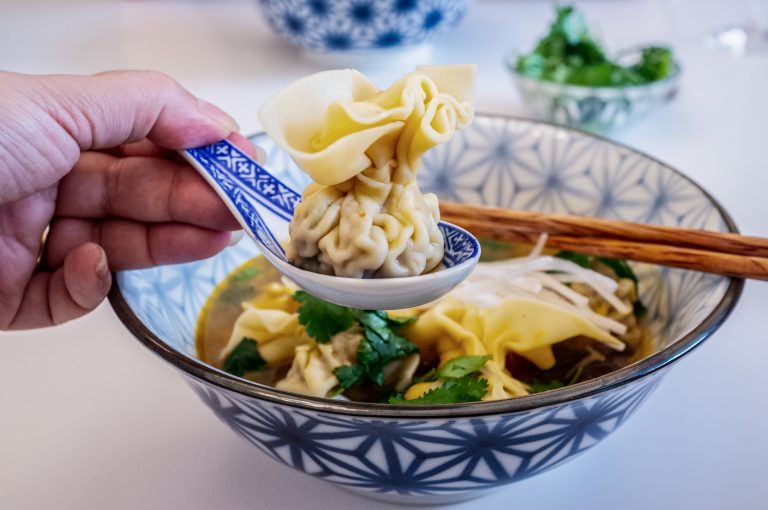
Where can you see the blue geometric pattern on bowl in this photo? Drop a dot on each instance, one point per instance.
(343, 25)
(425, 460)
(445, 455)
(250, 188)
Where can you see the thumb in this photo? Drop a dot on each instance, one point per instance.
(80, 284)
(69, 292)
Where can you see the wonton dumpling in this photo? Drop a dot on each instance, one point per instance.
(530, 328)
(398, 374)
(275, 296)
(525, 327)
(500, 384)
(365, 216)
(312, 370)
(276, 332)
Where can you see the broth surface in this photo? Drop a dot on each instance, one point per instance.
(224, 305)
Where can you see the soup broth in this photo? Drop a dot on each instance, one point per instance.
(577, 359)
(224, 306)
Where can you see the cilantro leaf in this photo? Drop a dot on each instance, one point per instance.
(400, 322)
(322, 319)
(461, 366)
(429, 376)
(246, 274)
(349, 375)
(453, 391)
(455, 368)
(380, 321)
(623, 270)
(537, 386)
(377, 350)
(577, 258)
(655, 63)
(379, 346)
(375, 320)
(620, 267)
(576, 376)
(373, 355)
(393, 396)
(244, 358)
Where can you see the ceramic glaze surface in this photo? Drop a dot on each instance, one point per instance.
(422, 460)
(349, 25)
(428, 459)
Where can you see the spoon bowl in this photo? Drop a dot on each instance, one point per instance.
(264, 207)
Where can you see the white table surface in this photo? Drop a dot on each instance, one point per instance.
(91, 420)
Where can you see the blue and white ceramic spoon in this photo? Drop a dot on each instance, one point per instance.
(264, 206)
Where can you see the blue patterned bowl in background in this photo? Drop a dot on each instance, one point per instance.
(346, 26)
(598, 109)
(423, 454)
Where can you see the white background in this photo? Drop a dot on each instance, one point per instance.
(91, 420)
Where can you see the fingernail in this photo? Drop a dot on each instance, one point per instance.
(102, 268)
(219, 116)
(261, 154)
(235, 237)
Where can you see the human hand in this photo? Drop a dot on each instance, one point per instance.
(92, 157)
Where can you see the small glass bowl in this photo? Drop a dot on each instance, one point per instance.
(598, 109)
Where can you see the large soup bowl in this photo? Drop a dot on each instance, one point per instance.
(423, 454)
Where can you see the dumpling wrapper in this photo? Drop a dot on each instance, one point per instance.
(525, 327)
(364, 216)
(312, 370)
(337, 105)
(277, 334)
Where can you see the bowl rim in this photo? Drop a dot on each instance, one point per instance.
(201, 371)
(671, 80)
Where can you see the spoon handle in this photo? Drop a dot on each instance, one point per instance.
(260, 202)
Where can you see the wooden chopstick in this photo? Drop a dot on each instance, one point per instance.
(609, 229)
(616, 239)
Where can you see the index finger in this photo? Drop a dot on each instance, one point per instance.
(149, 149)
(142, 189)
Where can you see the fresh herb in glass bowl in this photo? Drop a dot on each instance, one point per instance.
(570, 54)
(570, 79)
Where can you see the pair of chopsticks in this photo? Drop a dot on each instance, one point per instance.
(699, 250)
